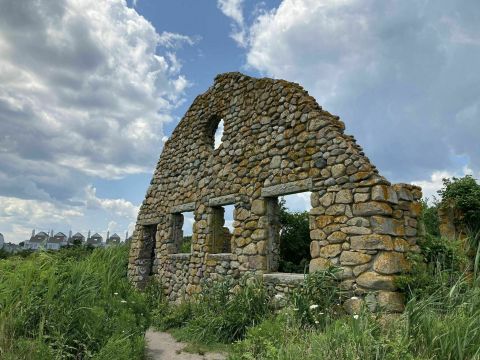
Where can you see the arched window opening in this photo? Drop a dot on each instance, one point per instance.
(214, 132)
(218, 135)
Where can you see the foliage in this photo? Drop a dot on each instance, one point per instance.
(443, 325)
(294, 240)
(220, 313)
(465, 194)
(186, 246)
(430, 219)
(440, 262)
(318, 295)
(73, 303)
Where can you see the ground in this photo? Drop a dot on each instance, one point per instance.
(163, 346)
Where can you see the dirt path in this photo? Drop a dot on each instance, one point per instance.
(163, 346)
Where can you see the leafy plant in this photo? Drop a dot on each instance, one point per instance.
(318, 298)
(465, 195)
(294, 240)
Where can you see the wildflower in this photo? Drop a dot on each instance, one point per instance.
(316, 321)
(123, 301)
(115, 293)
(314, 306)
(355, 316)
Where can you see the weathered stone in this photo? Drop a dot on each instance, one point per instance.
(354, 258)
(319, 264)
(337, 237)
(314, 249)
(391, 301)
(401, 245)
(327, 199)
(317, 234)
(338, 170)
(356, 230)
(358, 198)
(344, 197)
(371, 242)
(372, 280)
(357, 270)
(384, 193)
(371, 208)
(335, 209)
(330, 251)
(384, 225)
(259, 207)
(390, 262)
(353, 305)
(324, 220)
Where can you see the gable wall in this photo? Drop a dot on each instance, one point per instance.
(276, 139)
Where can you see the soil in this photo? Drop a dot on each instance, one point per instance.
(163, 346)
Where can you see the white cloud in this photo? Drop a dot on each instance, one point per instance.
(175, 41)
(119, 207)
(400, 74)
(431, 186)
(233, 9)
(83, 90)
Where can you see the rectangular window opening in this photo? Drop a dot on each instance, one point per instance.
(222, 229)
(289, 233)
(182, 231)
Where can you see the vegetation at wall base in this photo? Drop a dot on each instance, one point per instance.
(72, 304)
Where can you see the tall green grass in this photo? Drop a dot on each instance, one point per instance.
(221, 313)
(71, 304)
(441, 319)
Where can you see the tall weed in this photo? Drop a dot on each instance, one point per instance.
(69, 304)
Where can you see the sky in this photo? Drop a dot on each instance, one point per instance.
(91, 89)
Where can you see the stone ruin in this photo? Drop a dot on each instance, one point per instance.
(277, 141)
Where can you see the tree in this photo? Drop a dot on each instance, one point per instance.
(294, 240)
(464, 194)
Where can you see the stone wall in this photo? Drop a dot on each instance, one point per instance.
(277, 140)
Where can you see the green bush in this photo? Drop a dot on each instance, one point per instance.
(70, 304)
(319, 298)
(220, 313)
(429, 217)
(465, 195)
(439, 265)
(442, 325)
(294, 240)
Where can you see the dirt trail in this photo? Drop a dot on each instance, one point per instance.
(163, 346)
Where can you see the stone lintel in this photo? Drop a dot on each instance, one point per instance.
(180, 256)
(151, 221)
(222, 200)
(220, 256)
(288, 188)
(183, 208)
(284, 278)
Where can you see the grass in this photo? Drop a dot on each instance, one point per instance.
(70, 304)
(441, 320)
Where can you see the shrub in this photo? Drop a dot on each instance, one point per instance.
(464, 193)
(220, 313)
(318, 298)
(439, 264)
(430, 219)
(294, 240)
